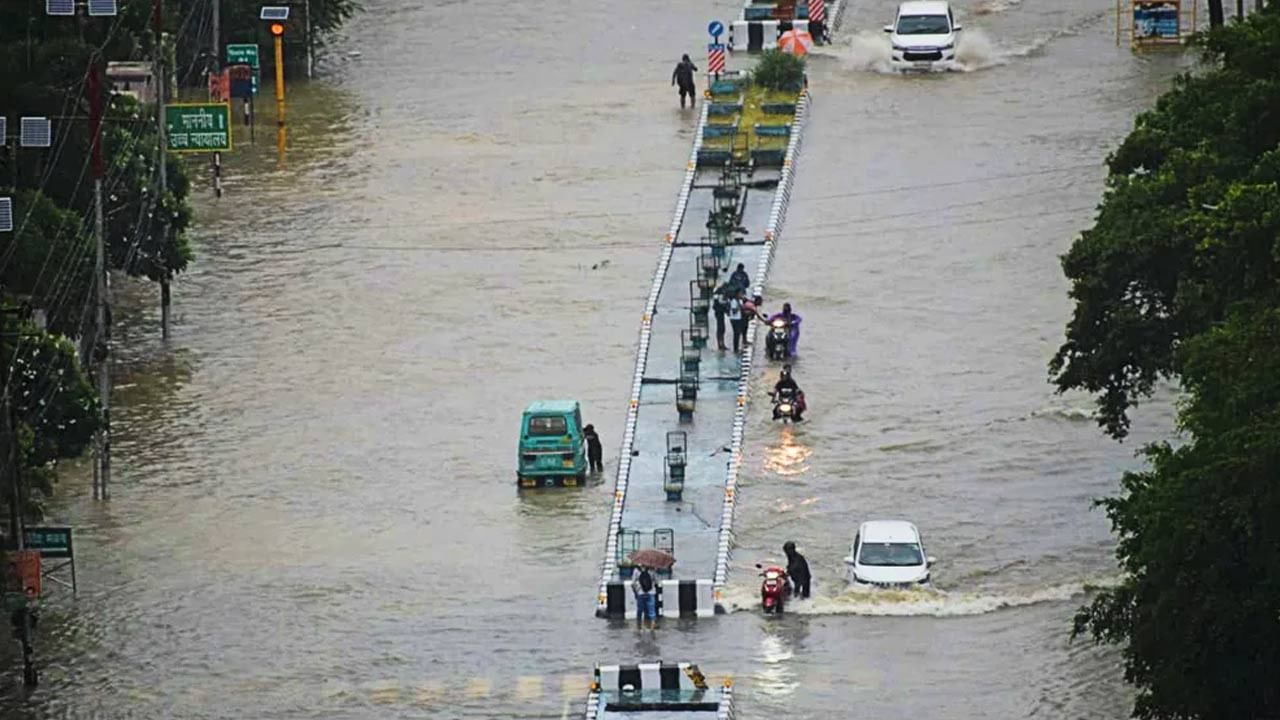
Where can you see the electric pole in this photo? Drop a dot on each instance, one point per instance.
(217, 68)
(101, 343)
(162, 153)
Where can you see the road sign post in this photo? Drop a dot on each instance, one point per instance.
(246, 54)
(53, 543)
(198, 127)
(715, 50)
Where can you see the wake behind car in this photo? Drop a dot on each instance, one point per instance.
(888, 553)
(923, 36)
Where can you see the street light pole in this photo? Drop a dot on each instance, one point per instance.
(277, 31)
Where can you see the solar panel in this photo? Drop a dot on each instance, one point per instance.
(6, 214)
(102, 8)
(35, 132)
(59, 7)
(274, 12)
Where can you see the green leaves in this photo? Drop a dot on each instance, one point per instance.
(777, 70)
(1185, 230)
(1180, 275)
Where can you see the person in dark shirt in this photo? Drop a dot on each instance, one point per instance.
(683, 77)
(595, 452)
(797, 570)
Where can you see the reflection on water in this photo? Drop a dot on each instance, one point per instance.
(788, 457)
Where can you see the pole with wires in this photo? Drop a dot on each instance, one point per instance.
(217, 67)
(162, 154)
(102, 333)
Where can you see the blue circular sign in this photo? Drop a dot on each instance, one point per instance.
(715, 29)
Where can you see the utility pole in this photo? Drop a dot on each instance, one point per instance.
(311, 58)
(162, 153)
(1216, 14)
(8, 436)
(101, 344)
(217, 67)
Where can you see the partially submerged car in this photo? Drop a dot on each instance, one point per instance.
(923, 36)
(888, 553)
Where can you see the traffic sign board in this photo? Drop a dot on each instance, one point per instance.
(51, 542)
(245, 54)
(198, 127)
(715, 29)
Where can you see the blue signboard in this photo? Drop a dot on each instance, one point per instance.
(715, 29)
(1156, 21)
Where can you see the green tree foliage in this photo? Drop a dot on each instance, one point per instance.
(48, 261)
(51, 57)
(1199, 610)
(1179, 278)
(777, 70)
(1187, 227)
(55, 410)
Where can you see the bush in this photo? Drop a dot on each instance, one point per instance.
(779, 71)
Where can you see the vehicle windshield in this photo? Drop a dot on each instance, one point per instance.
(891, 555)
(548, 425)
(923, 25)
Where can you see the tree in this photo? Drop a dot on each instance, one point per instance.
(1187, 225)
(48, 261)
(55, 409)
(1198, 611)
(145, 231)
(1180, 277)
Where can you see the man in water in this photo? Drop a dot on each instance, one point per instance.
(595, 453)
(683, 76)
(797, 570)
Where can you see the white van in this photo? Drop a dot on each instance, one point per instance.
(923, 35)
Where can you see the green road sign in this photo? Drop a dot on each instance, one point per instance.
(52, 542)
(246, 54)
(198, 127)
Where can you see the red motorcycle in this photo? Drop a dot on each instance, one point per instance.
(774, 588)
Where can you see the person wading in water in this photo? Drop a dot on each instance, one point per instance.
(683, 76)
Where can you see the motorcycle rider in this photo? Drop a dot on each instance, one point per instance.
(797, 570)
(786, 382)
(793, 326)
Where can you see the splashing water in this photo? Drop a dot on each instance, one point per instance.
(990, 7)
(865, 52)
(975, 51)
(924, 601)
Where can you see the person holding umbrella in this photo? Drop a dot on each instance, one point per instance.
(646, 592)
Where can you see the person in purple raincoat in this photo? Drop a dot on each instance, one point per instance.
(793, 326)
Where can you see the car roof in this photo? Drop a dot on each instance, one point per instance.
(923, 7)
(552, 407)
(882, 531)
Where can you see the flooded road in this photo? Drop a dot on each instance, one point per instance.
(315, 513)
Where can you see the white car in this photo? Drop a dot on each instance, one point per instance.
(923, 35)
(888, 553)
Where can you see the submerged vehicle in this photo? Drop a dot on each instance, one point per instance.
(888, 553)
(787, 405)
(778, 342)
(923, 36)
(774, 588)
(552, 451)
